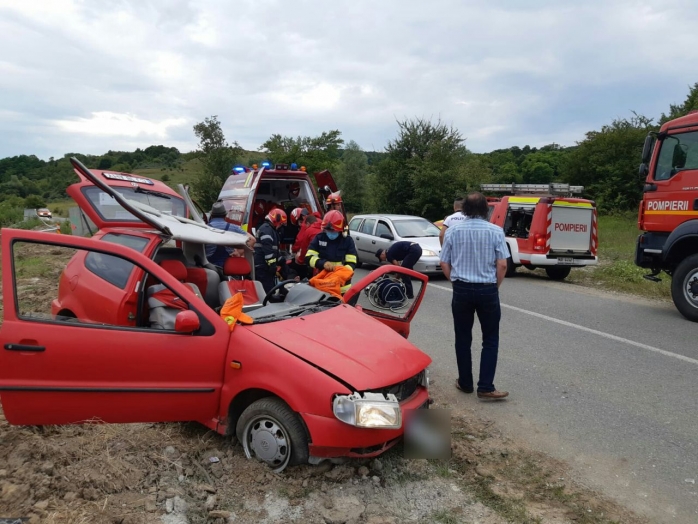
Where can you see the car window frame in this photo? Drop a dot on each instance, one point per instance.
(360, 221)
(387, 225)
(366, 220)
(108, 237)
(206, 327)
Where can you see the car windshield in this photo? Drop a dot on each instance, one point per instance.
(415, 227)
(678, 153)
(110, 209)
(294, 300)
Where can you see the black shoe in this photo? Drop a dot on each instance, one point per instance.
(464, 390)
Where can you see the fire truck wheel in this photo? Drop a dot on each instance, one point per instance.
(684, 288)
(558, 272)
(270, 431)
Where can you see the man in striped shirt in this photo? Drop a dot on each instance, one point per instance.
(474, 258)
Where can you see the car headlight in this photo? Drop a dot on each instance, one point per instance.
(428, 253)
(373, 410)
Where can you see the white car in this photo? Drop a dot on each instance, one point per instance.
(373, 232)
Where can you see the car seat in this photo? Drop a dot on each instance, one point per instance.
(165, 304)
(252, 290)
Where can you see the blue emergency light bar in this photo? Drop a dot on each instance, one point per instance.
(266, 164)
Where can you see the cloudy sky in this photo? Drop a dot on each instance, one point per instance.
(93, 75)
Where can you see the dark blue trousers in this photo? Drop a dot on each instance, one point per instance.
(483, 299)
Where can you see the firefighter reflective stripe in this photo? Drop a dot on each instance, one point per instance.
(350, 259)
(572, 204)
(266, 237)
(269, 256)
(272, 261)
(314, 257)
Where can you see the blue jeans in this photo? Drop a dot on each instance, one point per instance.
(482, 299)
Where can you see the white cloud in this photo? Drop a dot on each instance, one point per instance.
(105, 123)
(505, 73)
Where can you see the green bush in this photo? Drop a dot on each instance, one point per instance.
(10, 215)
(29, 224)
(66, 228)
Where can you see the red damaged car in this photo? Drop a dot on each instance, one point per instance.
(130, 331)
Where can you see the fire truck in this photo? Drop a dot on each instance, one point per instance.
(545, 226)
(668, 212)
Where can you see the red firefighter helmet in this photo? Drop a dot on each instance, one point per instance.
(297, 213)
(277, 217)
(334, 221)
(334, 198)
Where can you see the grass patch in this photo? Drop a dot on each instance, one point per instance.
(617, 270)
(445, 517)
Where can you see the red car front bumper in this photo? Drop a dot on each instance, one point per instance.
(331, 438)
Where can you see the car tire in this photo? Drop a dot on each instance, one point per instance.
(270, 431)
(558, 272)
(683, 284)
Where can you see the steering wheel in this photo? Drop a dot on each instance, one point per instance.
(274, 289)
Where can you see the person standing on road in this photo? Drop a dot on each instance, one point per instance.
(450, 220)
(474, 259)
(405, 254)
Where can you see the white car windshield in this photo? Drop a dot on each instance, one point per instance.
(415, 227)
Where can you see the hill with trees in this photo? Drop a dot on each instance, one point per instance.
(420, 172)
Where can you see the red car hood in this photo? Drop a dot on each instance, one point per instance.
(348, 344)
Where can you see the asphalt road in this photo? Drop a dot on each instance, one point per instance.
(606, 383)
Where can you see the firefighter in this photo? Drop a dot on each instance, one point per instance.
(334, 201)
(330, 248)
(266, 250)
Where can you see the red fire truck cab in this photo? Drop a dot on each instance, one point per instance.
(545, 229)
(668, 212)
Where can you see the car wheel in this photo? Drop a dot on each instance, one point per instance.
(273, 433)
(684, 288)
(558, 272)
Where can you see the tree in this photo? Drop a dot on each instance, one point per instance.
(351, 177)
(606, 163)
(424, 169)
(315, 153)
(34, 202)
(217, 158)
(690, 104)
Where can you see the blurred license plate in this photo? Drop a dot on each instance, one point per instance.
(563, 260)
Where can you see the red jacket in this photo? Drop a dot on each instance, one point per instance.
(304, 237)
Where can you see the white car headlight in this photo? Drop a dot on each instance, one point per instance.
(428, 253)
(373, 410)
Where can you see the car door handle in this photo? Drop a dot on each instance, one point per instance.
(24, 347)
(373, 241)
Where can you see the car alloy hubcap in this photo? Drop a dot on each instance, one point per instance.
(267, 440)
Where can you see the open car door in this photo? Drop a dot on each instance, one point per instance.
(324, 178)
(381, 294)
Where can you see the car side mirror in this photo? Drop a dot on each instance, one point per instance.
(644, 171)
(387, 236)
(647, 149)
(187, 322)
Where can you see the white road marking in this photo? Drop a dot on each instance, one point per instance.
(589, 330)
